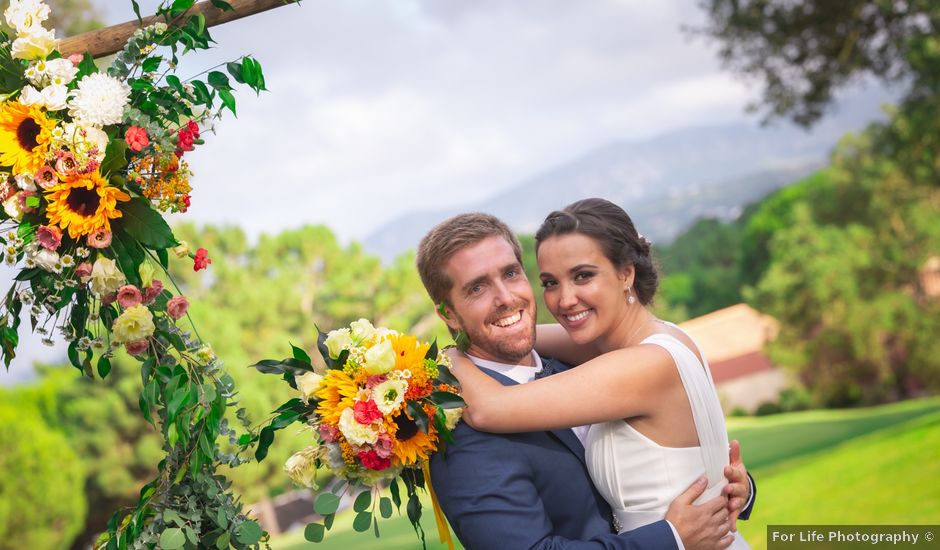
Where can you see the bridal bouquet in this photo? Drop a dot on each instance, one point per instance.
(89, 161)
(375, 412)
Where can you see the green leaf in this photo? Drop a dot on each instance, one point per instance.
(363, 521)
(174, 82)
(446, 377)
(300, 354)
(172, 538)
(86, 67)
(432, 351)
(136, 9)
(327, 503)
(145, 224)
(314, 532)
(32, 201)
(235, 69)
(104, 366)
(385, 507)
(396, 496)
(248, 533)
(203, 95)
(447, 400)
(73, 355)
(223, 5)
(414, 508)
(127, 252)
(363, 501)
(223, 542)
(170, 515)
(115, 157)
(418, 415)
(265, 439)
(228, 100)
(219, 81)
(151, 64)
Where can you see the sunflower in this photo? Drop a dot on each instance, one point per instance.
(409, 355)
(410, 443)
(25, 134)
(83, 204)
(337, 391)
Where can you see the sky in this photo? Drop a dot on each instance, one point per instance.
(381, 107)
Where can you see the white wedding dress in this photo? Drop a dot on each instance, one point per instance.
(640, 478)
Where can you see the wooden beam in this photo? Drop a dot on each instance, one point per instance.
(109, 40)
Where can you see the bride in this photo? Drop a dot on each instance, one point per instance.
(643, 385)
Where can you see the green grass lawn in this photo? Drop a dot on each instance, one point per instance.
(859, 466)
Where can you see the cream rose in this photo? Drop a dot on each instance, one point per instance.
(362, 330)
(136, 323)
(380, 358)
(106, 277)
(452, 417)
(301, 467)
(337, 341)
(308, 384)
(34, 45)
(354, 432)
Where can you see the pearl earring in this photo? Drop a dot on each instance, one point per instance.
(630, 299)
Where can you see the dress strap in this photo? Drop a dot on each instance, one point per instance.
(706, 407)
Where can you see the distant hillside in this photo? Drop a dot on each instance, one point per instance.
(665, 183)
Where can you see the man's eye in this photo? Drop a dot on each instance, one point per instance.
(511, 273)
(476, 289)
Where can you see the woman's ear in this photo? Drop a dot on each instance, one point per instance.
(627, 275)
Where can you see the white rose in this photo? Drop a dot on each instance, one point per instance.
(337, 341)
(34, 45)
(55, 97)
(13, 208)
(380, 358)
(389, 394)
(308, 384)
(31, 96)
(354, 432)
(106, 277)
(26, 15)
(61, 71)
(302, 469)
(25, 182)
(362, 330)
(134, 324)
(46, 259)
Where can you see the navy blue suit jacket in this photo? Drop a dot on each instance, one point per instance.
(529, 490)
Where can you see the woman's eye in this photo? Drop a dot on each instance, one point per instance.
(548, 284)
(583, 275)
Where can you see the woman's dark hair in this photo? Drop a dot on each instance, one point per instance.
(612, 228)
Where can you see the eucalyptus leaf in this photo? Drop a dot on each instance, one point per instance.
(172, 538)
(363, 501)
(314, 532)
(363, 521)
(327, 503)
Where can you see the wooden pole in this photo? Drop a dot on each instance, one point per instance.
(109, 40)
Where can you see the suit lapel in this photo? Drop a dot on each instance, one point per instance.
(564, 435)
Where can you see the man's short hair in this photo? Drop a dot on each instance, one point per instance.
(451, 236)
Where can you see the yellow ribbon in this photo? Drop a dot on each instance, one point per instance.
(443, 531)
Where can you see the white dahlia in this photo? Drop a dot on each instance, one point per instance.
(98, 100)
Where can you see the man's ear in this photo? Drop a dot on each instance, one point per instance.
(447, 316)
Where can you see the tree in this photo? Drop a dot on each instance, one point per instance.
(41, 502)
(804, 51)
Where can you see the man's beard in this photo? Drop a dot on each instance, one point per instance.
(512, 349)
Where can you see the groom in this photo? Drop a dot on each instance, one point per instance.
(531, 490)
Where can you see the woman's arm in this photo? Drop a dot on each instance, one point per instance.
(621, 384)
(553, 341)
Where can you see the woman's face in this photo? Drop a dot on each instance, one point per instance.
(583, 289)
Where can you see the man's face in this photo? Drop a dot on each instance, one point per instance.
(492, 301)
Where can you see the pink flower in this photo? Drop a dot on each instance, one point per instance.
(383, 446)
(7, 189)
(185, 141)
(371, 459)
(99, 239)
(154, 290)
(83, 271)
(129, 296)
(136, 138)
(193, 128)
(76, 58)
(330, 434)
(108, 299)
(375, 380)
(46, 177)
(66, 163)
(201, 261)
(366, 412)
(177, 307)
(137, 347)
(49, 236)
(23, 196)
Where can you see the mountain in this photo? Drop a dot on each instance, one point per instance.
(664, 183)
